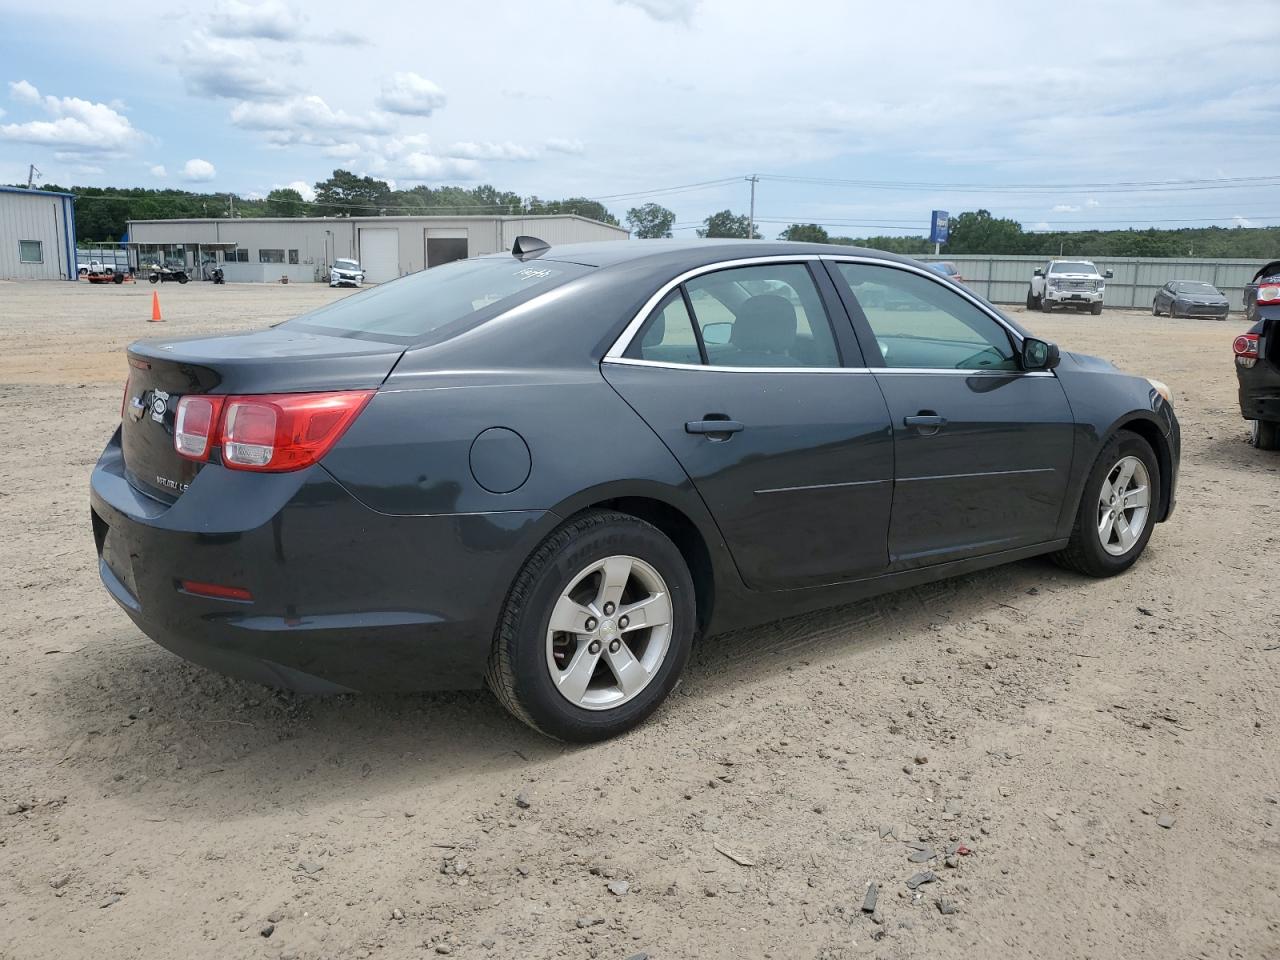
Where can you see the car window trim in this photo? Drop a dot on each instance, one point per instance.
(1016, 337)
(620, 345)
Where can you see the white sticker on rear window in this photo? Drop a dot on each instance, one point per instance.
(531, 274)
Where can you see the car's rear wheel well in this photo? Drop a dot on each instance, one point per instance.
(684, 533)
(1150, 432)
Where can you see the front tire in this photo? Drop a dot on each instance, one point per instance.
(1096, 309)
(1155, 310)
(596, 629)
(1046, 305)
(1117, 509)
(1264, 434)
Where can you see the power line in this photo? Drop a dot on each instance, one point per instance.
(1119, 186)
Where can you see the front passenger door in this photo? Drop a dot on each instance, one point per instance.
(982, 449)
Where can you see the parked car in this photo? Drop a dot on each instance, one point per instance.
(346, 273)
(1190, 298)
(1267, 274)
(1067, 283)
(946, 269)
(536, 472)
(1257, 357)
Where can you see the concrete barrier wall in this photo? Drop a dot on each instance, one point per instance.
(1006, 279)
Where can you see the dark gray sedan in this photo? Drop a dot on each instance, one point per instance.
(1190, 298)
(551, 471)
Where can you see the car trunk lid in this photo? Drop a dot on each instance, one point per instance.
(279, 360)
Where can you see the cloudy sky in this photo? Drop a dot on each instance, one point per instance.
(859, 115)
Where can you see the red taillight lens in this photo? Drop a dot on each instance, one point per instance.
(194, 425)
(286, 431)
(1246, 345)
(1269, 293)
(274, 432)
(216, 591)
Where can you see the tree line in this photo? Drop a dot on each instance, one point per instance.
(103, 213)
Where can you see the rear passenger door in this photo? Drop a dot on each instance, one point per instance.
(982, 448)
(742, 374)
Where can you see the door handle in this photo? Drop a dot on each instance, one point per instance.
(926, 421)
(711, 427)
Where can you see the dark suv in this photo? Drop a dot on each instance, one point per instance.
(1257, 354)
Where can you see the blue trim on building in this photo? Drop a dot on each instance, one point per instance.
(69, 231)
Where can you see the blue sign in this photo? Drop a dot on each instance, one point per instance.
(941, 223)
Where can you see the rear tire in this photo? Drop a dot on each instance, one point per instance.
(1087, 551)
(1031, 300)
(531, 664)
(1264, 434)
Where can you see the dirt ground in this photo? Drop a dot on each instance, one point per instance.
(1048, 723)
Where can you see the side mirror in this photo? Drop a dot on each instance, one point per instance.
(718, 333)
(1108, 275)
(1039, 272)
(1039, 354)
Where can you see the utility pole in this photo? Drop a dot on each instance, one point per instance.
(231, 205)
(751, 229)
(32, 172)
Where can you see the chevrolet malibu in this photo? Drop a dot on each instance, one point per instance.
(549, 471)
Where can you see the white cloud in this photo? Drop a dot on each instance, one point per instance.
(78, 125)
(159, 171)
(491, 151)
(558, 145)
(665, 10)
(265, 20)
(426, 166)
(306, 120)
(410, 94)
(23, 92)
(232, 69)
(1239, 221)
(305, 190)
(1092, 203)
(1065, 208)
(343, 151)
(198, 171)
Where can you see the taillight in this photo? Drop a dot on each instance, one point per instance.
(274, 432)
(194, 425)
(1246, 346)
(1269, 293)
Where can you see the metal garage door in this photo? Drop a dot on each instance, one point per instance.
(380, 253)
(444, 245)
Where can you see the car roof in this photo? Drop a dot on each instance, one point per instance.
(695, 252)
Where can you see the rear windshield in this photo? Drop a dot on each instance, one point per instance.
(435, 304)
(1073, 266)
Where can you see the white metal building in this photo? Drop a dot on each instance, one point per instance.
(302, 249)
(37, 235)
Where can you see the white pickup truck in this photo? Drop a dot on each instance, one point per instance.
(1067, 283)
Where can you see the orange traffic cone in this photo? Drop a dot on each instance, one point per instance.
(155, 307)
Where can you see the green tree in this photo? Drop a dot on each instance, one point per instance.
(286, 202)
(980, 232)
(805, 233)
(727, 224)
(346, 195)
(581, 206)
(650, 221)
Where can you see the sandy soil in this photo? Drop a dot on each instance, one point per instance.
(1046, 722)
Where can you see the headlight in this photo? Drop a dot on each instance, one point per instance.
(1053, 284)
(1161, 388)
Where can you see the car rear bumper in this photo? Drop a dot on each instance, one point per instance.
(1259, 391)
(343, 597)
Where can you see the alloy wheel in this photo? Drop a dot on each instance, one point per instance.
(609, 633)
(1124, 505)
